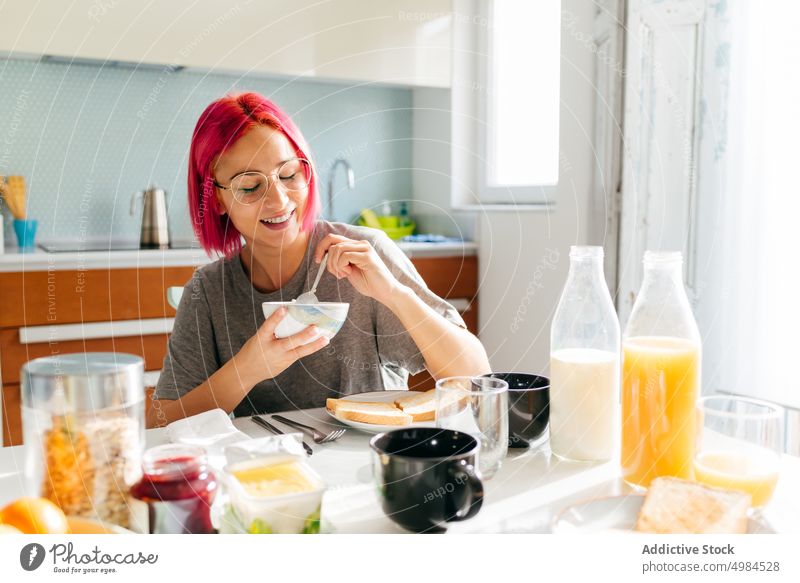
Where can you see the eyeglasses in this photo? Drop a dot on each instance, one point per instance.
(250, 187)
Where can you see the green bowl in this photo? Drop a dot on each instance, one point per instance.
(389, 226)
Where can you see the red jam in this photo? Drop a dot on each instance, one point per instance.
(179, 488)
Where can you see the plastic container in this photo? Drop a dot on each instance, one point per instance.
(661, 357)
(83, 427)
(389, 225)
(25, 230)
(275, 495)
(584, 363)
(179, 489)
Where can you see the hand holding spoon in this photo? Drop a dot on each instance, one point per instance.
(310, 296)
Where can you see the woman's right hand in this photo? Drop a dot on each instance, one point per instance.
(264, 356)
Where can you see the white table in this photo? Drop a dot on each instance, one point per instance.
(530, 488)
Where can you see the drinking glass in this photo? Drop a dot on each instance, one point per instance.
(739, 445)
(477, 406)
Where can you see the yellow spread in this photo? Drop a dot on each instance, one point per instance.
(275, 480)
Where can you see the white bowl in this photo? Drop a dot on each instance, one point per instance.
(328, 317)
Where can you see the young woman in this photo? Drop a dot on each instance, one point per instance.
(251, 178)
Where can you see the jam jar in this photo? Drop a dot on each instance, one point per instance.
(179, 488)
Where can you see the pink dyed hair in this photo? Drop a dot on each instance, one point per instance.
(222, 123)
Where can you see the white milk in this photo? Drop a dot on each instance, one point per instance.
(584, 389)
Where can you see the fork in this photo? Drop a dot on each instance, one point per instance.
(315, 434)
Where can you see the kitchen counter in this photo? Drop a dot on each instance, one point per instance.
(459, 249)
(39, 260)
(528, 491)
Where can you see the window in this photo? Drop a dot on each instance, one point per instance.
(522, 104)
(506, 79)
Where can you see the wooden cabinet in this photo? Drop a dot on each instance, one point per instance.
(57, 312)
(403, 42)
(52, 297)
(12, 421)
(454, 279)
(125, 310)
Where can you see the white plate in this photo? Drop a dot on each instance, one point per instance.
(377, 397)
(617, 514)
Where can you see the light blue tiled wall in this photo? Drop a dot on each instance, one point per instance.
(87, 136)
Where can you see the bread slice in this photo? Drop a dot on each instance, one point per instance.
(374, 413)
(675, 506)
(332, 404)
(420, 405)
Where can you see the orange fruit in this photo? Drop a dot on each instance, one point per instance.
(34, 516)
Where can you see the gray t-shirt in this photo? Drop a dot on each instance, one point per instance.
(220, 310)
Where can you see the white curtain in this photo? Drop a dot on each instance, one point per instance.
(760, 240)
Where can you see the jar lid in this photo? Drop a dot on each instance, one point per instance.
(173, 459)
(86, 381)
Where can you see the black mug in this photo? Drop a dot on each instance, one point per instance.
(427, 477)
(528, 406)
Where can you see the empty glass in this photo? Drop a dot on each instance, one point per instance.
(477, 406)
(739, 445)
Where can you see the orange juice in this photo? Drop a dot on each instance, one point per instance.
(660, 386)
(756, 475)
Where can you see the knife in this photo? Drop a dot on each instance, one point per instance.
(269, 426)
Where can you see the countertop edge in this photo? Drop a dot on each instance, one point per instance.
(40, 260)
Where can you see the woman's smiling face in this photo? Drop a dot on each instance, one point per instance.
(262, 149)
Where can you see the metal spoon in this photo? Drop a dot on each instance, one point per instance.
(310, 297)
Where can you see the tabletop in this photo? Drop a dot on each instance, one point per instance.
(524, 496)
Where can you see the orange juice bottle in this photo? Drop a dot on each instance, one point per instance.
(660, 376)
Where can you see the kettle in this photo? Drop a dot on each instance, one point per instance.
(155, 225)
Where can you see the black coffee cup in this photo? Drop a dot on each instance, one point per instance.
(427, 477)
(528, 406)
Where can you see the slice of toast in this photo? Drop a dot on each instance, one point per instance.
(374, 413)
(368, 412)
(420, 405)
(332, 404)
(675, 506)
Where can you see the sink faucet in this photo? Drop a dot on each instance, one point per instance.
(351, 183)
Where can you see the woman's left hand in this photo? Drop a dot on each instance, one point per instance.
(359, 263)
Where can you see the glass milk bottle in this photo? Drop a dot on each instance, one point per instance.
(584, 363)
(660, 376)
